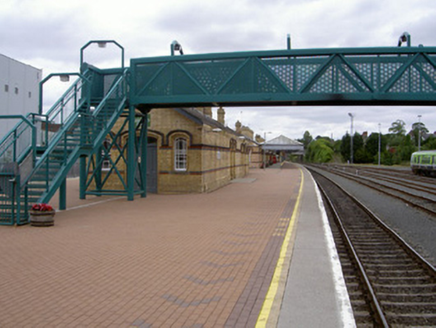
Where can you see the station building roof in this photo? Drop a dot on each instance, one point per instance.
(283, 143)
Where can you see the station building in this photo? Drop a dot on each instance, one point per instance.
(190, 152)
(284, 147)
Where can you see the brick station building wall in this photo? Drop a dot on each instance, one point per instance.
(213, 158)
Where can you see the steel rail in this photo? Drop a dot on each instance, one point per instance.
(399, 179)
(417, 258)
(429, 267)
(379, 315)
(401, 182)
(371, 184)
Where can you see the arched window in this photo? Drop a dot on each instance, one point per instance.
(180, 154)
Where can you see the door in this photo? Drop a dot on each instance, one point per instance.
(152, 166)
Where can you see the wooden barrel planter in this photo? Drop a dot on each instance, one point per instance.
(42, 218)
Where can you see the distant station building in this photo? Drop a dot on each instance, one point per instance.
(283, 147)
(19, 90)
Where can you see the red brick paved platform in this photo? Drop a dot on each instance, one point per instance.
(200, 260)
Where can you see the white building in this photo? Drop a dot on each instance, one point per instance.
(19, 91)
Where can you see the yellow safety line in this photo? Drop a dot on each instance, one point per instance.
(272, 290)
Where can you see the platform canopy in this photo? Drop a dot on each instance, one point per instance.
(283, 143)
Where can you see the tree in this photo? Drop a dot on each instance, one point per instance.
(307, 139)
(346, 147)
(429, 144)
(418, 130)
(406, 149)
(371, 145)
(419, 126)
(320, 151)
(398, 127)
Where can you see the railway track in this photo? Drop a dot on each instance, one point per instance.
(418, 196)
(401, 177)
(389, 283)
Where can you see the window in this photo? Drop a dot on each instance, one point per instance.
(105, 154)
(6, 88)
(425, 159)
(30, 94)
(16, 90)
(180, 154)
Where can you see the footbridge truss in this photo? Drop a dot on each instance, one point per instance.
(348, 76)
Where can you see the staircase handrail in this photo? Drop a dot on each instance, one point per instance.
(58, 137)
(11, 138)
(72, 120)
(60, 110)
(95, 141)
(123, 76)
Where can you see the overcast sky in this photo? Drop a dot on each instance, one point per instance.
(48, 34)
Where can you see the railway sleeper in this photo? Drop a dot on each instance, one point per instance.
(353, 287)
(404, 289)
(368, 244)
(400, 267)
(406, 280)
(359, 305)
(392, 260)
(396, 273)
(363, 319)
(399, 255)
(423, 297)
(356, 296)
(413, 320)
(410, 307)
(360, 232)
(372, 260)
(351, 277)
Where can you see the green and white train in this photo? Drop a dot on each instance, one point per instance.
(424, 162)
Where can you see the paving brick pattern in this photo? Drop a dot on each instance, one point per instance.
(203, 260)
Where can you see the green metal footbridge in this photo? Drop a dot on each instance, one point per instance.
(37, 154)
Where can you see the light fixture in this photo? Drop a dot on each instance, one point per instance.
(175, 46)
(100, 44)
(405, 37)
(64, 77)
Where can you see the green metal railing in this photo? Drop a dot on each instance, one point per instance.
(19, 141)
(82, 132)
(69, 129)
(75, 99)
(27, 149)
(107, 112)
(103, 119)
(17, 153)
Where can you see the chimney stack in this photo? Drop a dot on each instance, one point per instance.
(221, 115)
(238, 126)
(207, 111)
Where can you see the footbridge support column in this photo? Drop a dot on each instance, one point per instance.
(131, 157)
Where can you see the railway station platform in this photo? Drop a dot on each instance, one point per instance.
(255, 253)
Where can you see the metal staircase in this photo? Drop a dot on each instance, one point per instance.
(36, 156)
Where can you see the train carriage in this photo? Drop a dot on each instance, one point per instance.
(424, 162)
